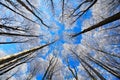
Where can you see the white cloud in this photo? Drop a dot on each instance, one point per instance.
(2, 53)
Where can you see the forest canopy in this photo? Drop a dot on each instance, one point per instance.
(59, 39)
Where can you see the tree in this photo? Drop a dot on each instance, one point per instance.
(106, 21)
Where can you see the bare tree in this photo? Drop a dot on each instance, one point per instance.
(50, 71)
(7, 62)
(105, 21)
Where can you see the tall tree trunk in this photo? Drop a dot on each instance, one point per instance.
(6, 59)
(104, 67)
(106, 21)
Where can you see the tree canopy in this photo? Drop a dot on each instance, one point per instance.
(59, 39)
